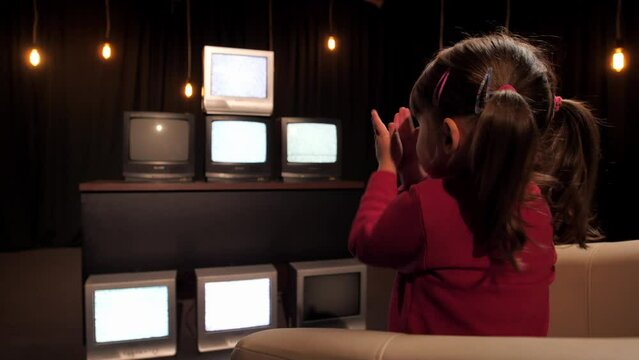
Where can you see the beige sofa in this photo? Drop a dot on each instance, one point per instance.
(594, 315)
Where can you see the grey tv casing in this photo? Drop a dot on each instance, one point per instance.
(157, 170)
(229, 172)
(302, 270)
(130, 349)
(226, 339)
(294, 172)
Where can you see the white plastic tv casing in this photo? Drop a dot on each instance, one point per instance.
(237, 105)
(227, 339)
(136, 349)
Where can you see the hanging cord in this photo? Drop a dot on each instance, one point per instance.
(618, 22)
(270, 25)
(188, 39)
(330, 17)
(35, 22)
(441, 25)
(507, 24)
(107, 9)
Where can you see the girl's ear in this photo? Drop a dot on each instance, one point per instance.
(452, 135)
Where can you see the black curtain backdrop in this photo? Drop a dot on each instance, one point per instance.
(62, 123)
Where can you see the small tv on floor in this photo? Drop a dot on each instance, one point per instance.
(233, 302)
(130, 315)
(328, 293)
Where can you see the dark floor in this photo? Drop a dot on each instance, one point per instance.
(41, 304)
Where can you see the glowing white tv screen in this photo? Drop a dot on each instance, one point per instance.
(239, 76)
(158, 140)
(238, 142)
(131, 313)
(311, 143)
(237, 304)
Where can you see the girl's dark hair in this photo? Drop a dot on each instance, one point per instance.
(509, 137)
(571, 160)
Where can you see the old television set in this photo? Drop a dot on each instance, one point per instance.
(327, 293)
(238, 148)
(158, 146)
(311, 148)
(130, 315)
(238, 81)
(233, 302)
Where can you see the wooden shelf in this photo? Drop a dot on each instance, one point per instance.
(123, 186)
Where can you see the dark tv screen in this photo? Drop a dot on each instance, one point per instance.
(158, 139)
(331, 296)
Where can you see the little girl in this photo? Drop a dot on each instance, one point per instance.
(472, 242)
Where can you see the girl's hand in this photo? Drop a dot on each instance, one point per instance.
(404, 148)
(382, 145)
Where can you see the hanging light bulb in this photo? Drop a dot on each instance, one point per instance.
(34, 57)
(618, 60)
(331, 43)
(188, 89)
(106, 51)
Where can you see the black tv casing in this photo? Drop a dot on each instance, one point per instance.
(157, 170)
(293, 172)
(231, 172)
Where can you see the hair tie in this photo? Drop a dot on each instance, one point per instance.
(439, 88)
(558, 101)
(507, 87)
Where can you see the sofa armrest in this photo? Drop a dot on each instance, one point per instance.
(339, 344)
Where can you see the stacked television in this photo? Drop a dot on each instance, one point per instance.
(240, 135)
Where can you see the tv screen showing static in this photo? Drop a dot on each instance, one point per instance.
(131, 313)
(242, 76)
(237, 304)
(158, 139)
(311, 143)
(238, 142)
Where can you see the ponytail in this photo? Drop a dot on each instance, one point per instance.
(571, 159)
(501, 157)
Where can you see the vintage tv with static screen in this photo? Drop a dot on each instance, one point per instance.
(158, 146)
(237, 148)
(328, 293)
(238, 81)
(130, 315)
(311, 148)
(233, 302)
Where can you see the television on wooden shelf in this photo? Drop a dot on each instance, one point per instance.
(238, 81)
(327, 293)
(311, 148)
(158, 146)
(233, 302)
(130, 315)
(238, 148)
